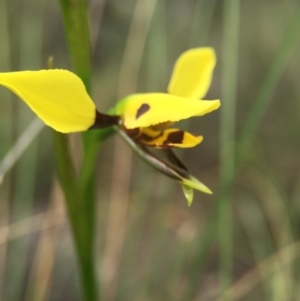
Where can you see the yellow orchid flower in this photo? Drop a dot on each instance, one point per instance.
(59, 98)
(150, 112)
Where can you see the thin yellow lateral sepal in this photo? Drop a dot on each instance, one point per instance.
(58, 97)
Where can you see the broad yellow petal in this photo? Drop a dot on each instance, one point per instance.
(192, 73)
(58, 97)
(168, 138)
(143, 110)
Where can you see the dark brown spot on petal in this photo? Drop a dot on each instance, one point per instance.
(142, 110)
(104, 120)
(175, 137)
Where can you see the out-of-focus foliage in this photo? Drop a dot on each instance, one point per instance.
(149, 241)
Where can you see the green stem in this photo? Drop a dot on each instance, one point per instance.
(80, 195)
(87, 170)
(79, 224)
(76, 24)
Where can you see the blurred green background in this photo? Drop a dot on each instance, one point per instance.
(236, 245)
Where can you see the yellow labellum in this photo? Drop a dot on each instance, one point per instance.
(168, 138)
(192, 73)
(58, 97)
(143, 110)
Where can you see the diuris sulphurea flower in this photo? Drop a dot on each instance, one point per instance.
(59, 98)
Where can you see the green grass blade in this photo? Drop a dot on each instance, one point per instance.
(76, 24)
(227, 137)
(264, 96)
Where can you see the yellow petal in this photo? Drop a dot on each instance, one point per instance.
(168, 138)
(143, 110)
(58, 97)
(192, 73)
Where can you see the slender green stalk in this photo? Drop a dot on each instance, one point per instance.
(77, 31)
(227, 137)
(80, 195)
(79, 223)
(87, 172)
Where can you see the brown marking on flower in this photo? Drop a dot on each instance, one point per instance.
(104, 120)
(144, 108)
(175, 138)
(133, 133)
